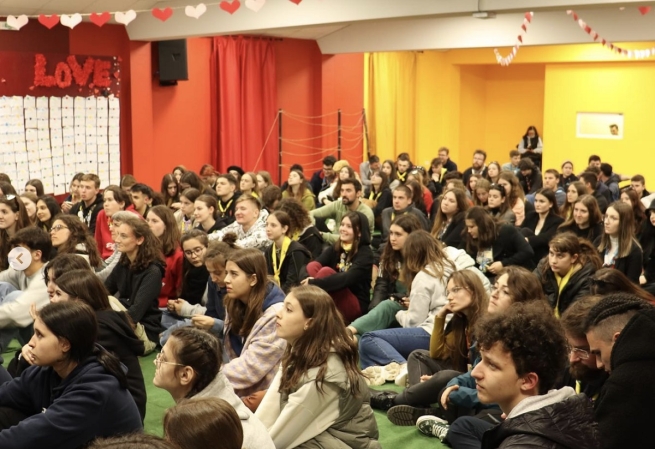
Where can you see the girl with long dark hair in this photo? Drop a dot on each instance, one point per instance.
(77, 391)
(301, 227)
(14, 219)
(285, 258)
(498, 205)
(170, 191)
(185, 214)
(47, 208)
(617, 246)
(297, 188)
(114, 200)
(494, 245)
(449, 222)
(345, 269)
(541, 225)
(586, 221)
(71, 236)
(162, 224)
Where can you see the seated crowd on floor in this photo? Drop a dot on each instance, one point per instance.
(512, 305)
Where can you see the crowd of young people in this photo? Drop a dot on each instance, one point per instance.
(275, 308)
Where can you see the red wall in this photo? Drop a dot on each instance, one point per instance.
(316, 86)
(171, 125)
(166, 126)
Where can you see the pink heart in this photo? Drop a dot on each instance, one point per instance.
(297, 2)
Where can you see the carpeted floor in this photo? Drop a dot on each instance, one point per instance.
(159, 400)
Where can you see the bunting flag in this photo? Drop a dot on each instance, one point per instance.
(633, 54)
(126, 17)
(507, 60)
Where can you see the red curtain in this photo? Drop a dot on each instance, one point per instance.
(244, 104)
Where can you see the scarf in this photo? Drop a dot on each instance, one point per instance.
(561, 284)
(283, 253)
(344, 264)
(222, 209)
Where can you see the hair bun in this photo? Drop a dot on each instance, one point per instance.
(231, 239)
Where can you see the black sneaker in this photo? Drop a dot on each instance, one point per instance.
(382, 400)
(406, 415)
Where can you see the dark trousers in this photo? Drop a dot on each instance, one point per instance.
(419, 363)
(466, 432)
(10, 417)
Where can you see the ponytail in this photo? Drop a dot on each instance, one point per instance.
(112, 364)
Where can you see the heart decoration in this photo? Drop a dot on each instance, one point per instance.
(126, 17)
(100, 19)
(297, 2)
(644, 10)
(17, 22)
(195, 12)
(71, 21)
(49, 21)
(255, 5)
(230, 7)
(162, 15)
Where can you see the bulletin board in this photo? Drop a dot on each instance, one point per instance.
(52, 138)
(59, 115)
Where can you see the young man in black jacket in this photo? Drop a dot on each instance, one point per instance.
(619, 330)
(523, 353)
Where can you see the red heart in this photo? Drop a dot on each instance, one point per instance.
(527, 15)
(162, 15)
(117, 75)
(100, 19)
(230, 7)
(297, 2)
(644, 10)
(575, 17)
(49, 21)
(587, 29)
(520, 38)
(524, 28)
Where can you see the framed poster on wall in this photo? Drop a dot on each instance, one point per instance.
(599, 125)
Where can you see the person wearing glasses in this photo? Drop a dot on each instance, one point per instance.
(136, 280)
(71, 236)
(448, 354)
(13, 218)
(75, 393)
(194, 278)
(459, 397)
(617, 246)
(189, 367)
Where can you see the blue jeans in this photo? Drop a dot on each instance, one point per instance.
(379, 348)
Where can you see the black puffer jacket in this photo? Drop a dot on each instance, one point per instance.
(578, 286)
(624, 408)
(564, 425)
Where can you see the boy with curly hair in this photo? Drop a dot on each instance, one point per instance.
(524, 351)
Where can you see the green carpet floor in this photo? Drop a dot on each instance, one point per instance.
(159, 400)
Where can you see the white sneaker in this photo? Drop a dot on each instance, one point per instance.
(401, 378)
(391, 371)
(433, 426)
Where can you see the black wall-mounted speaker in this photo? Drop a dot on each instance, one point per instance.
(172, 62)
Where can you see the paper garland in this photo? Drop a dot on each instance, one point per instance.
(507, 60)
(636, 54)
(126, 17)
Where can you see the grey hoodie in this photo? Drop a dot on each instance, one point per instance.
(255, 435)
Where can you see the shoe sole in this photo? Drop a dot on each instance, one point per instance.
(373, 375)
(406, 415)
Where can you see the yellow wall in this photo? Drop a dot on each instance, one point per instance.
(601, 87)
(464, 101)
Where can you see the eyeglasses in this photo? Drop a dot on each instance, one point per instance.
(158, 361)
(58, 228)
(455, 290)
(195, 251)
(579, 353)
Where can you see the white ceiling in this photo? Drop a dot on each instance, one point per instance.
(347, 26)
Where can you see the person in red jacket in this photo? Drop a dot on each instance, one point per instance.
(162, 223)
(115, 200)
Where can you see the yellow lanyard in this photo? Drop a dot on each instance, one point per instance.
(224, 210)
(393, 215)
(401, 176)
(278, 266)
(374, 196)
